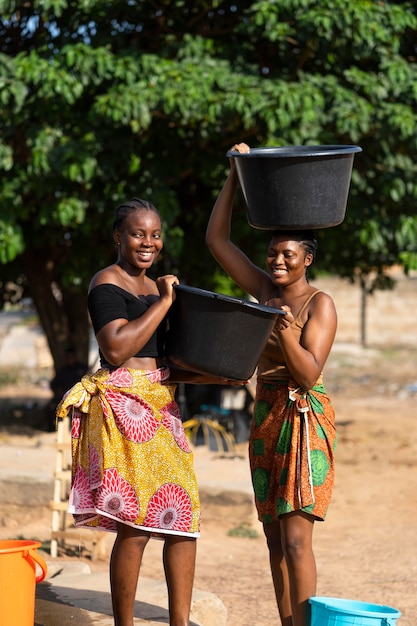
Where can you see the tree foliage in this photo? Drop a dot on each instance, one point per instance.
(102, 100)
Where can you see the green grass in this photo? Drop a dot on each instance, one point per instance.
(243, 530)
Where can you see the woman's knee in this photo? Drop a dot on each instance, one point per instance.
(135, 537)
(296, 535)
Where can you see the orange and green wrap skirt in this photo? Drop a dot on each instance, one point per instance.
(131, 460)
(291, 450)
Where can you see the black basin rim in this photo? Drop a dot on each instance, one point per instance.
(232, 300)
(297, 151)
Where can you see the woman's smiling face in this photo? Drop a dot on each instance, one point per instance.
(139, 239)
(287, 259)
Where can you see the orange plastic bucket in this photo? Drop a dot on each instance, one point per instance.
(18, 578)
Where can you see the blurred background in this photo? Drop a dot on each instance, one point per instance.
(102, 101)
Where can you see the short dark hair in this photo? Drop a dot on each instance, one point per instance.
(134, 204)
(307, 238)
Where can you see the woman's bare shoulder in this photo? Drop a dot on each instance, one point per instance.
(322, 296)
(107, 275)
(321, 301)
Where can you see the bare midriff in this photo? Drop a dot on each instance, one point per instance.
(143, 363)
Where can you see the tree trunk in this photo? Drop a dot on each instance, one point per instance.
(364, 295)
(62, 311)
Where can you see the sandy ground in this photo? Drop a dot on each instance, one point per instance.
(366, 550)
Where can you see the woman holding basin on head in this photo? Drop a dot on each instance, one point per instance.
(293, 436)
(132, 466)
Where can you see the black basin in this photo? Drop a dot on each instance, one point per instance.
(295, 187)
(216, 334)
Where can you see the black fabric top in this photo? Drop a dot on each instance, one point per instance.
(108, 302)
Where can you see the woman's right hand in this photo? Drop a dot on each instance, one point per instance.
(165, 285)
(242, 148)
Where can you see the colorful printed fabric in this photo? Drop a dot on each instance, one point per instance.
(291, 450)
(131, 461)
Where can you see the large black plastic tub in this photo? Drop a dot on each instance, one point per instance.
(295, 187)
(211, 333)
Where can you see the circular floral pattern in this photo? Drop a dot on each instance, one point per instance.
(261, 479)
(172, 420)
(133, 416)
(319, 467)
(81, 497)
(117, 497)
(169, 509)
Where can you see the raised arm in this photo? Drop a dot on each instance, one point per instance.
(235, 263)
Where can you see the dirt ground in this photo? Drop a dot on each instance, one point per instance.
(366, 549)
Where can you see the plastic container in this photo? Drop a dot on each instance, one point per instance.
(216, 334)
(18, 580)
(295, 187)
(340, 612)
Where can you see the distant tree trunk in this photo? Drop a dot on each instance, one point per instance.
(62, 311)
(364, 301)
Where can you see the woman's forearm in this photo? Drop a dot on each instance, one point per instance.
(301, 363)
(219, 225)
(122, 342)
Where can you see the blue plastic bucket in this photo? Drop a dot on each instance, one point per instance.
(339, 612)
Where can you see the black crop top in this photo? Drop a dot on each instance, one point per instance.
(108, 302)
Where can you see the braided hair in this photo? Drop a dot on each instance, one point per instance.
(123, 210)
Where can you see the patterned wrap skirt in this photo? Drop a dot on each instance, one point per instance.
(291, 450)
(131, 460)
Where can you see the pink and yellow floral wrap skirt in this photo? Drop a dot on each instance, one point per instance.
(131, 460)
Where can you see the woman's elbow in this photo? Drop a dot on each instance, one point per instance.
(210, 241)
(307, 381)
(216, 247)
(112, 357)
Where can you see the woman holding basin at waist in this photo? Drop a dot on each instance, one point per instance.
(293, 436)
(132, 466)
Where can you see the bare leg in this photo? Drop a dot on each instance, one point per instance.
(293, 566)
(279, 572)
(179, 564)
(125, 562)
(297, 540)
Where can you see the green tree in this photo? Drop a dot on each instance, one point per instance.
(103, 99)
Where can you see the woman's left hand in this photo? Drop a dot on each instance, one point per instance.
(285, 321)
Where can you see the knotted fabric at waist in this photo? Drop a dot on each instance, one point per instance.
(90, 385)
